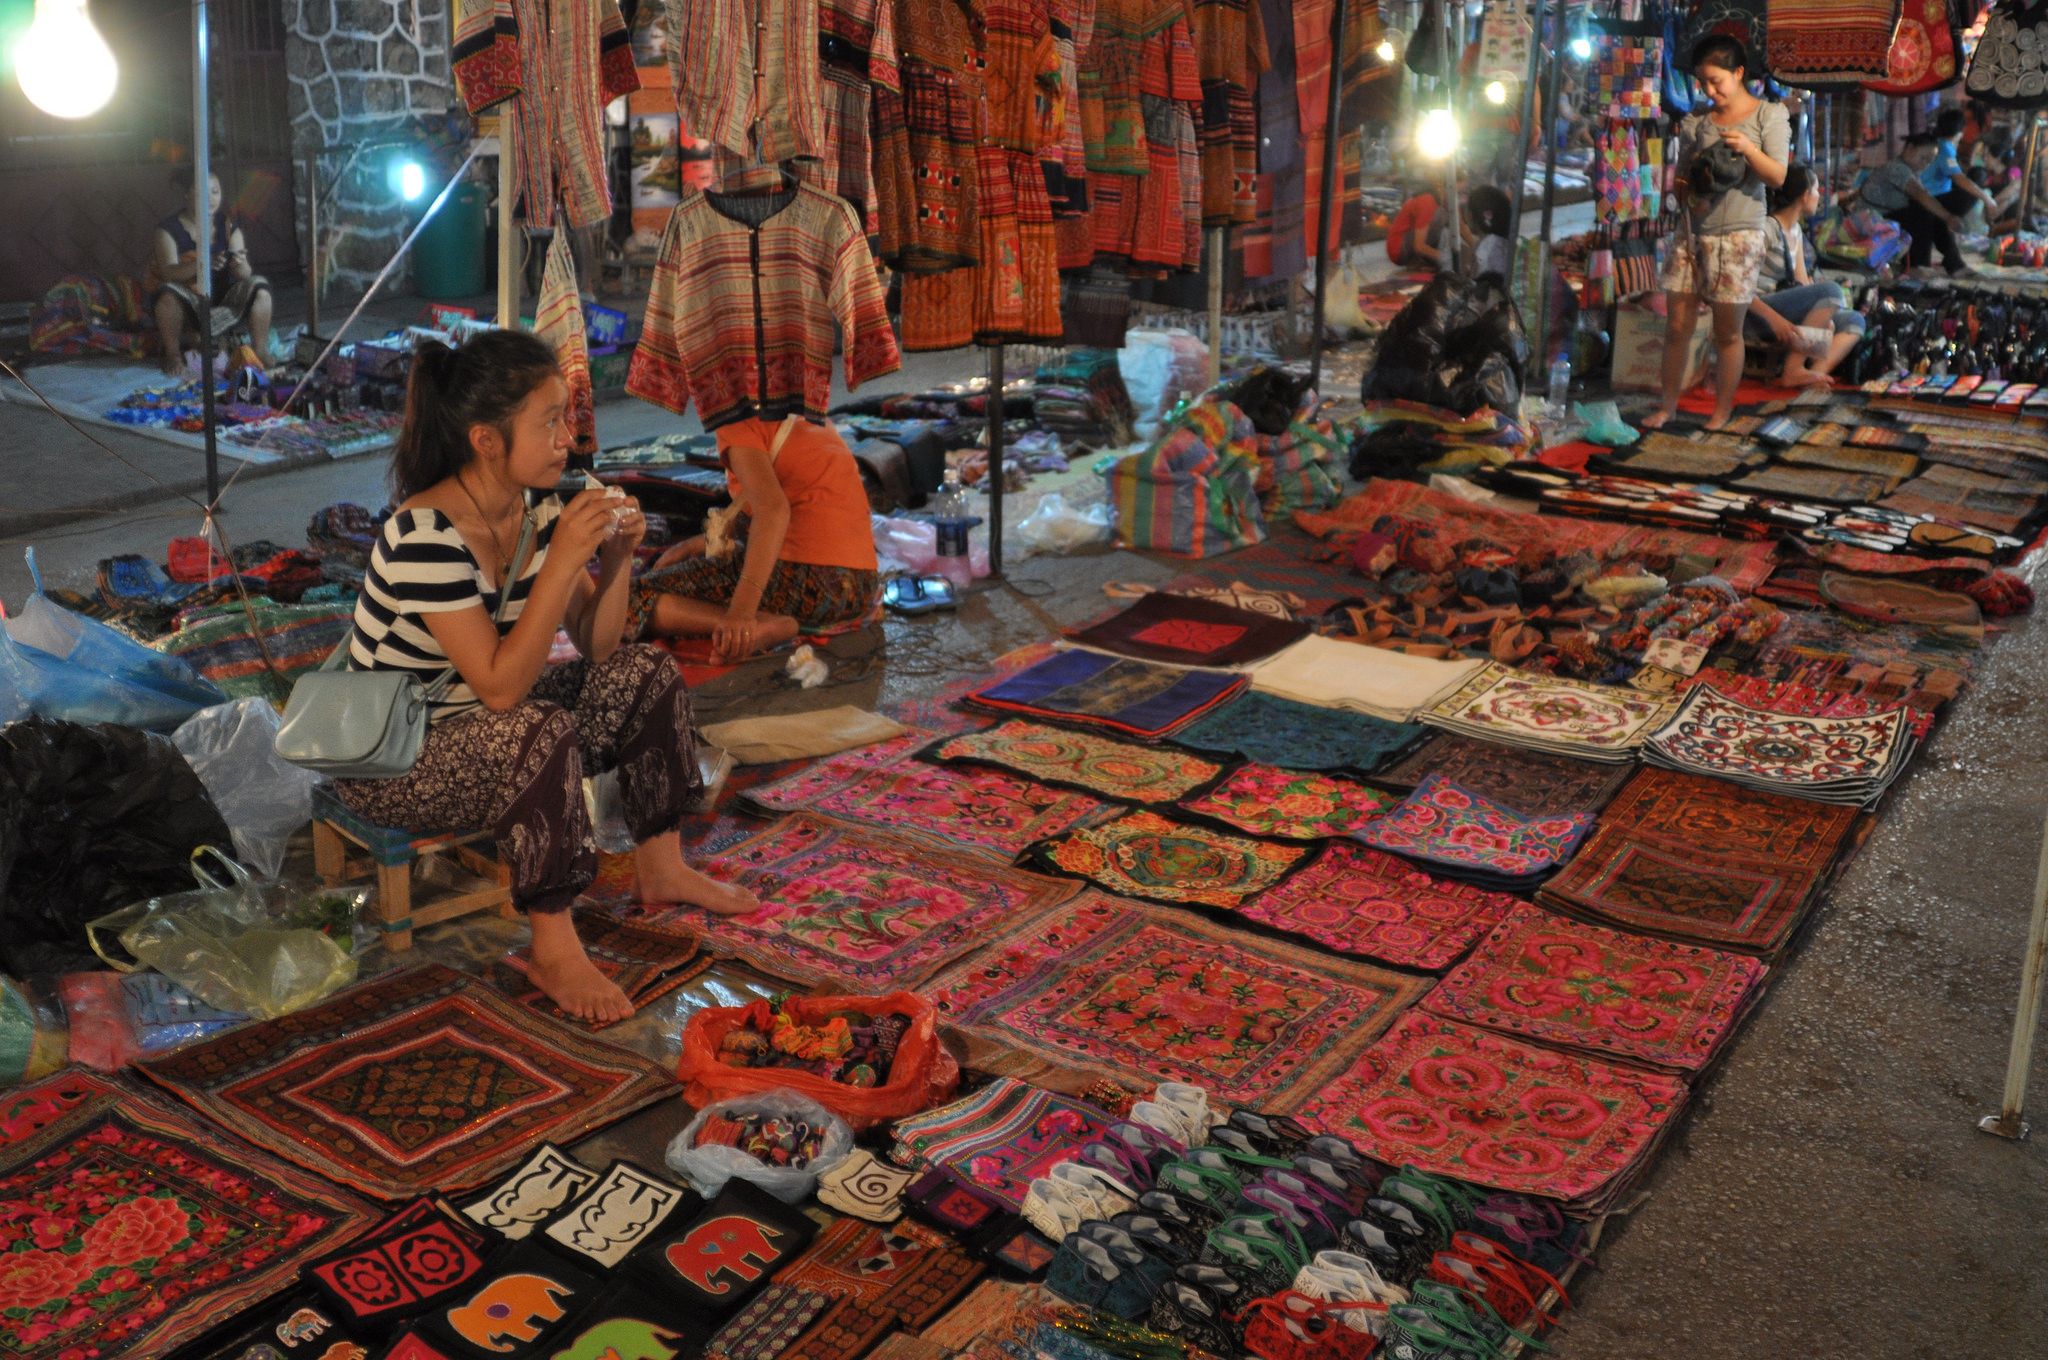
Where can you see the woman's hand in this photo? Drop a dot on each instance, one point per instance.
(582, 528)
(734, 636)
(1785, 332)
(630, 534)
(1740, 143)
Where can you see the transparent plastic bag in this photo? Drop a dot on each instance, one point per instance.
(264, 799)
(708, 1168)
(238, 947)
(1054, 526)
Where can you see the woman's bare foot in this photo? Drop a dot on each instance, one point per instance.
(565, 973)
(172, 367)
(1801, 377)
(694, 889)
(1718, 423)
(1656, 420)
(770, 632)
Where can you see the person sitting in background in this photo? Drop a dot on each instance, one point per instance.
(1895, 190)
(175, 259)
(1944, 177)
(1409, 242)
(1796, 302)
(1485, 230)
(806, 558)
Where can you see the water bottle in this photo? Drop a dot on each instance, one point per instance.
(950, 518)
(1560, 382)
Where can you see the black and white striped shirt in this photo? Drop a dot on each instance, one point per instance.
(421, 566)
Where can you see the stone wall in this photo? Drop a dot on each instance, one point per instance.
(358, 70)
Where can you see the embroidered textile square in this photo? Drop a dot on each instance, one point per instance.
(1568, 717)
(1291, 804)
(1149, 995)
(1119, 770)
(1296, 736)
(1181, 630)
(905, 1267)
(1532, 783)
(1125, 696)
(417, 1081)
(1002, 1137)
(1360, 901)
(1444, 825)
(1142, 854)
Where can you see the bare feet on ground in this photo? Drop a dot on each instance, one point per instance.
(1655, 420)
(691, 888)
(573, 982)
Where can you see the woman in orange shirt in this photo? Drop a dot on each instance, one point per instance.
(804, 555)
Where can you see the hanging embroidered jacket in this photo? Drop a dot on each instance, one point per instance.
(857, 50)
(558, 322)
(1230, 44)
(746, 75)
(745, 293)
(562, 61)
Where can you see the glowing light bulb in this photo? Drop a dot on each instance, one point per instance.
(1582, 49)
(1437, 135)
(1385, 51)
(412, 180)
(1496, 92)
(65, 67)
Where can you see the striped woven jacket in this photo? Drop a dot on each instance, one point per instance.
(740, 316)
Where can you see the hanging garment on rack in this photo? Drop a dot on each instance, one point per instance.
(1072, 23)
(857, 49)
(1352, 63)
(1122, 61)
(746, 290)
(560, 62)
(1155, 222)
(558, 321)
(1275, 245)
(926, 181)
(1925, 50)
(2010, 67)
(1822, 43)
(746, 75)
(1230, 48)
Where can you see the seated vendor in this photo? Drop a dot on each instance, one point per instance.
(175, 259)
(1810, 317)
(803, 560)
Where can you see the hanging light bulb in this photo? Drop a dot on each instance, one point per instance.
(65, 67)
(1496, 92)
(1437, 135)
(1386, 51)
(1582, 48)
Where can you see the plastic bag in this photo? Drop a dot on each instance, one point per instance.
(1458, 345)
(266, 800)
(912, 545)
(236, 947)
(1054, 526)
(69, 667)
(91, 818)
(923, 1074)
(1159, 367)
(606, 805)
(708, 1168)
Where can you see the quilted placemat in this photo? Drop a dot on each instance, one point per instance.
(1121, 771)
(1145, 855)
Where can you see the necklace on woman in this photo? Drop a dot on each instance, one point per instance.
(497, 539)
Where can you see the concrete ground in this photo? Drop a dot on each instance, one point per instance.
(1827, 1196)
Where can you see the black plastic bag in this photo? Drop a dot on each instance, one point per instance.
(1458, 346)
(91, 818)
(1269, 397)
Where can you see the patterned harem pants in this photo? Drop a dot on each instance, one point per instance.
(520, 772)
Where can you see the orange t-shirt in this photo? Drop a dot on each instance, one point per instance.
(828, 505)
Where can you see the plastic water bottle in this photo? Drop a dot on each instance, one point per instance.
(1560, 382)
(951, 519)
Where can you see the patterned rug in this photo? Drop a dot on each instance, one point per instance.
(907, 1267)
(847, 905)
(1002, 1137)
(1290, 804)
(1103, 986)
(1531, 783)
(1360, 901)
(1545, 713)
(1557, 981)
(646, 961)
(1180, 630)
(131, 1228)
(989, 811)
(414, 1082)
(1484, 1108)
(1844, 760)
(1458, 833)
(1142, 854)
(1131, 697)
(1121, 771)
(1700, 859)
(1294, 736)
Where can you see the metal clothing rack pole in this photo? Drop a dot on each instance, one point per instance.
(1215, 264)
(2007, 1123)
(1328, 205)
(1549, 218)
(202, 282)
(1454, 236)
(1533, 12)
(508, 253)
(995, 461)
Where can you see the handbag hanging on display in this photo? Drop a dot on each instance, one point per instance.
(1635, 258)
(1925, 50)
(1618, 173)
(2010, 68)
(350, 724)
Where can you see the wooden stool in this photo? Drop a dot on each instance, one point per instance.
(401, 858)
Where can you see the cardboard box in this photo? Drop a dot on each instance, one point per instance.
(1639, 349)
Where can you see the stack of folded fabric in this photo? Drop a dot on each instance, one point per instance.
(1093, 690)
(1702, 860)
(1546, 713)
(1181, 630)
(1454, 832)
(1849, 760)
(1386, 684)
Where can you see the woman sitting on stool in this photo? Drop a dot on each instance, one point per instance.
(236, 288)
(1797, 301)
(805, 560)
(510, 739)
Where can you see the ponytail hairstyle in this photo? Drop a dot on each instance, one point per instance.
(483, 382)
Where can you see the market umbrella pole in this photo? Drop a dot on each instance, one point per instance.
(995, 462)
(202, 283)
(2007, 1123)
(1328, 205)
